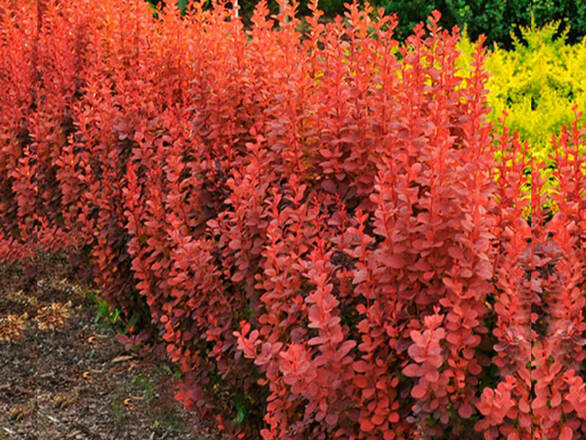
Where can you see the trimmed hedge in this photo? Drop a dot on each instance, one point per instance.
(316, 223)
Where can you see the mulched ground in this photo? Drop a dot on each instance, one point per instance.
(64, 376)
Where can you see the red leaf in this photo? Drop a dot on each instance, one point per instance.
(418, 391)
(413, 370)
(366, 425)
(360, 366)
(466, 410)
(566, 433)
(395, 261)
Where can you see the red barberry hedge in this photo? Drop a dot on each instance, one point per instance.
(315, 221)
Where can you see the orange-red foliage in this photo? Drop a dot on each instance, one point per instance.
(316, 222)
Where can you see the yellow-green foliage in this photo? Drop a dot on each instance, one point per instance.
(538, 83)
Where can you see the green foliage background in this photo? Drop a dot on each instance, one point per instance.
(496, 19)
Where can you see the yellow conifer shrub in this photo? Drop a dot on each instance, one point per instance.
(538, 83)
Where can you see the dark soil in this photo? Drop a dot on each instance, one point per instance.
(63, 375)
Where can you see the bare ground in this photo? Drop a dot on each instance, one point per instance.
(64, 376)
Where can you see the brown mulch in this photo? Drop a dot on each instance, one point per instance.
(63, 375)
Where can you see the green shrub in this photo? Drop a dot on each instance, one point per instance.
(494, 18)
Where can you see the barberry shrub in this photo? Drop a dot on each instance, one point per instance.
(315, 224)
